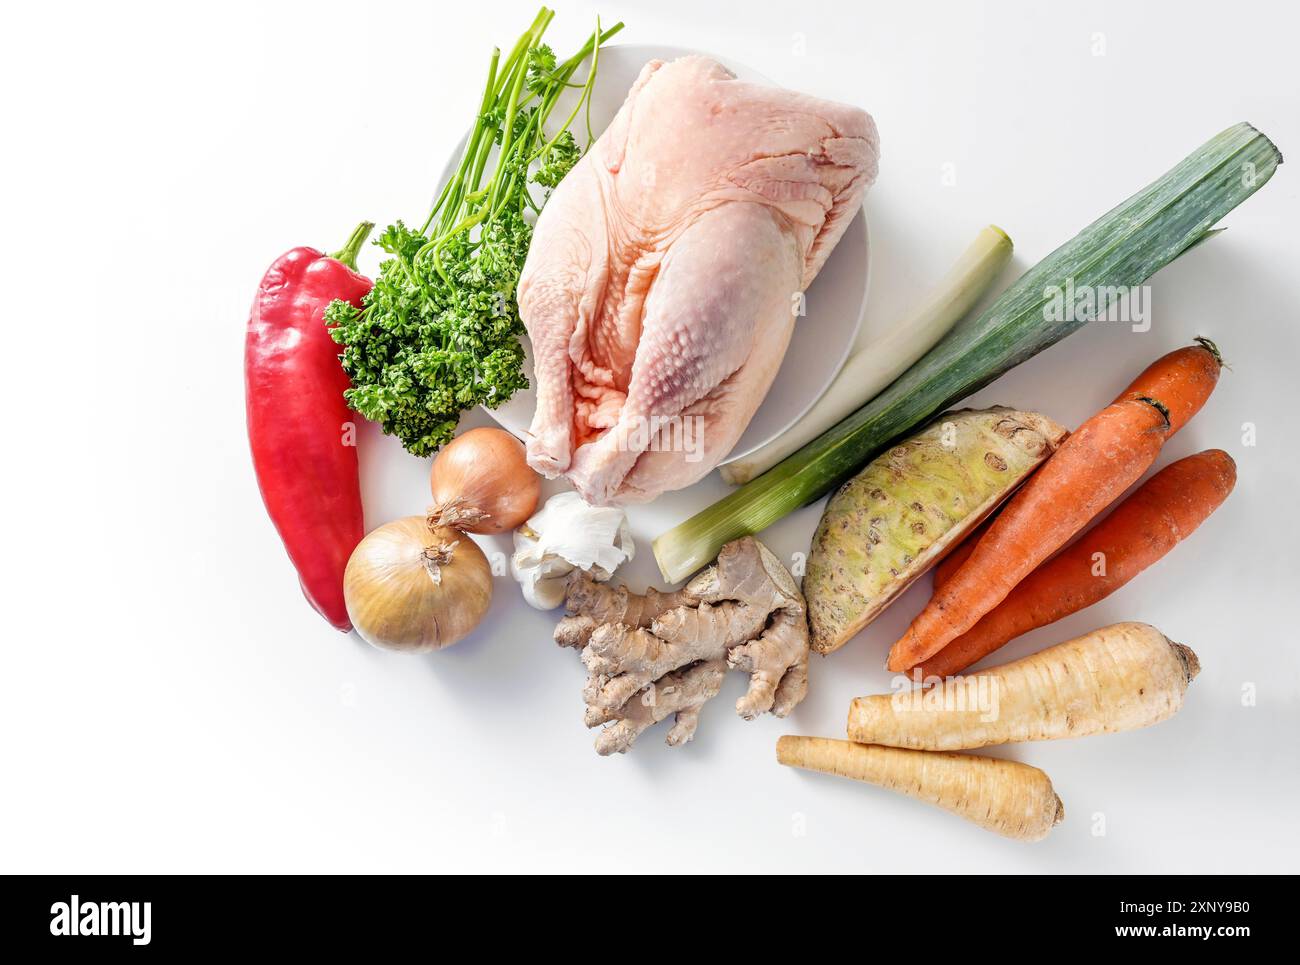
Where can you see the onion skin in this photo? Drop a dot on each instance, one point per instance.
(393, 600)
(482, 483)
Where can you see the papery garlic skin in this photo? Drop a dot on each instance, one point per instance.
(566, 535)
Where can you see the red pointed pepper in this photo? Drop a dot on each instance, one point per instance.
(299, 427)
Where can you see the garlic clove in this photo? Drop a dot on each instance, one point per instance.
(564, 535)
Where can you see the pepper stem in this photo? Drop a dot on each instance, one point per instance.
(348, 253)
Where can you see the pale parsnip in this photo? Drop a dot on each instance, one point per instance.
(1006, 797)
(1117, 678)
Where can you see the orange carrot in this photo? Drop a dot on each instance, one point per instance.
(1199, 364)
(949, 565)
(1182, 380)
(1091, 468)
(1143, 528)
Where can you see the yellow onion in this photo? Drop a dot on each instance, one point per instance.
(482, 483)
(415, 586)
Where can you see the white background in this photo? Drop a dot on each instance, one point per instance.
(170, 703)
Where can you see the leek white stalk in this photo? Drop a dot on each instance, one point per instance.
(873, 367)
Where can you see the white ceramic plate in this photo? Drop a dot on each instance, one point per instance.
(823, 338)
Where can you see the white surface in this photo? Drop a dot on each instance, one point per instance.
(171, 704)
(833, 305)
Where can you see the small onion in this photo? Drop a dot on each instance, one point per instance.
(415, 587)
(482, 483)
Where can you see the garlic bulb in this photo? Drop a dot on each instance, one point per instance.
(567, 535)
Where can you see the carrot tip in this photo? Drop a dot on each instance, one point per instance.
(1213, 349)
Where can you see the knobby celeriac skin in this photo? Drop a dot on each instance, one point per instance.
(1006, 797)
(891, 522)
(657, 655)
(1117, 678)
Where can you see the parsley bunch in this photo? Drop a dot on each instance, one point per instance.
(439, 332)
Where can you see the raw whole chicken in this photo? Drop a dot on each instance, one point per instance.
(662, 283)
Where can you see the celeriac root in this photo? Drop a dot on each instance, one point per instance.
(1117, 678)
(1007, 797)
(892, 521)
(652, 655)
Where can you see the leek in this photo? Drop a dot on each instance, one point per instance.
(1120, 250)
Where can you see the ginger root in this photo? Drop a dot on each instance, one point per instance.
(657, 654)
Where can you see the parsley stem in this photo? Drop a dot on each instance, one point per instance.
(584, 98)
(512, 109)
(472, 146)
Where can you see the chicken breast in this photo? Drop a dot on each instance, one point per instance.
(665, 273)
